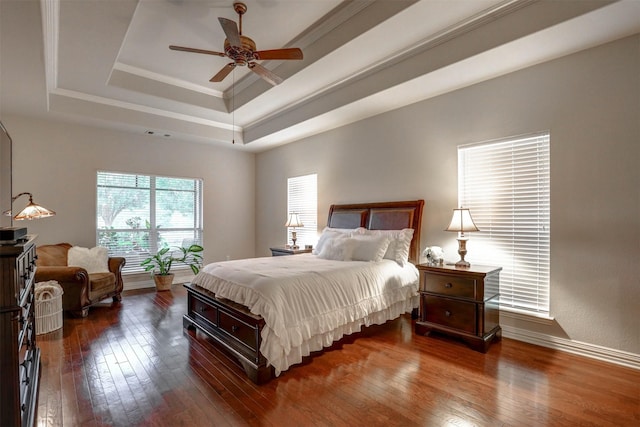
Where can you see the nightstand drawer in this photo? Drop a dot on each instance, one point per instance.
(450, 313)
(448, 285)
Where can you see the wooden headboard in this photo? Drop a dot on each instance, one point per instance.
(381, 216)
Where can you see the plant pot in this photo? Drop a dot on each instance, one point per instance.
(163, 282)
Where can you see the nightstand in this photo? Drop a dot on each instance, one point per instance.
(460, 302)
(281, 250)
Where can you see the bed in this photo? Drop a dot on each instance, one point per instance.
(268, 313)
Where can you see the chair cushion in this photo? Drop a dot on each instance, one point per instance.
(102, 282)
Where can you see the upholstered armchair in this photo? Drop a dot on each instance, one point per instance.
(81, 289)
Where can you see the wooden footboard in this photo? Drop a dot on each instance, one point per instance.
(232, 326)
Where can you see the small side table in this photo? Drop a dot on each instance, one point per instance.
(282, 250)
(461, 302)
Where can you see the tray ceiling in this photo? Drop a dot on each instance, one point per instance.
(108, 63)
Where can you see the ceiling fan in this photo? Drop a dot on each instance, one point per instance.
(242, 51)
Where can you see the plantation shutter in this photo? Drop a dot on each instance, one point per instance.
(506, 186)
(302, 198)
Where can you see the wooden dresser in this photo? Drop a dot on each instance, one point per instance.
(19, 355)
(461, 302)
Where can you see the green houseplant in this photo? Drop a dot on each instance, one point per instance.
(160, 264)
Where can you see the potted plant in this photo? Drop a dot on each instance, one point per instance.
(160, 264)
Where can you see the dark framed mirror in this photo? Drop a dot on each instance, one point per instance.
(5, 177)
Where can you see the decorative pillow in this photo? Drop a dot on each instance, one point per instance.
(339, 248)
(369, 247)
(399, 244)
(94, 260)
(330, 233)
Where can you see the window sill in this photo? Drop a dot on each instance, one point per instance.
(528, 316)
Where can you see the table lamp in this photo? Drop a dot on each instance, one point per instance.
(462, 222)
(31, 211)
(293, 222)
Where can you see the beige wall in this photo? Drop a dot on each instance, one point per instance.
(57, 163)
(589, 101)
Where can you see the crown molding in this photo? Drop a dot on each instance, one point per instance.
(50, 10)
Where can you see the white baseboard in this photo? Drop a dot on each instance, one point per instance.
(144, 280)
(623, 358)
(139, 285)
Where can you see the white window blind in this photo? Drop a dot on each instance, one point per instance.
(505, 184)
(302, 198)
(136, 215)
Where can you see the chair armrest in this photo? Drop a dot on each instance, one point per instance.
(115, 264)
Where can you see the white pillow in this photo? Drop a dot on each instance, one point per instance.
(369, 247)
(94, 260)
(339, 248)
(329, 233)
(399, 244)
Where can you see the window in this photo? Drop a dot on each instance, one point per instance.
(505, 184)
(302, 198)
(138, 214)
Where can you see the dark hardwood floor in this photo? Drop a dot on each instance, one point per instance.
(131, 364)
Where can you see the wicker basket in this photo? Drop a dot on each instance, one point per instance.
(48, 307)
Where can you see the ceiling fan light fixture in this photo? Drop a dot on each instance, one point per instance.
(242, 50)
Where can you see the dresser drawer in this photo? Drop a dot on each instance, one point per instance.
(449, 285)
(25, 270)
(25, 323)
(199, 309)
(242, 332)
(448, 312)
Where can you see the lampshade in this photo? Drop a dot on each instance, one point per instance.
(31, 211)
(294, 221)
(461, 221)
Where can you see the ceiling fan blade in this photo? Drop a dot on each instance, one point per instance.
(264, 73)
(290, 53)
(231, 31)
(190, 49)
(223, 73)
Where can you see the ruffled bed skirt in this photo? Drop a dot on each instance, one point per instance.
(281, 361)
(286, 340)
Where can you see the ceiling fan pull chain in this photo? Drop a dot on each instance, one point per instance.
(233, 106)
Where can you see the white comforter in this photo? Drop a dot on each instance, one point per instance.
(308, 302)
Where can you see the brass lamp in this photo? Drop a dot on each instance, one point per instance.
(462, 222)
(31, 211)
(11, 235)
(293, 222)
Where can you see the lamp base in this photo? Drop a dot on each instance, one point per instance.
(462, 251)
(462, 264)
